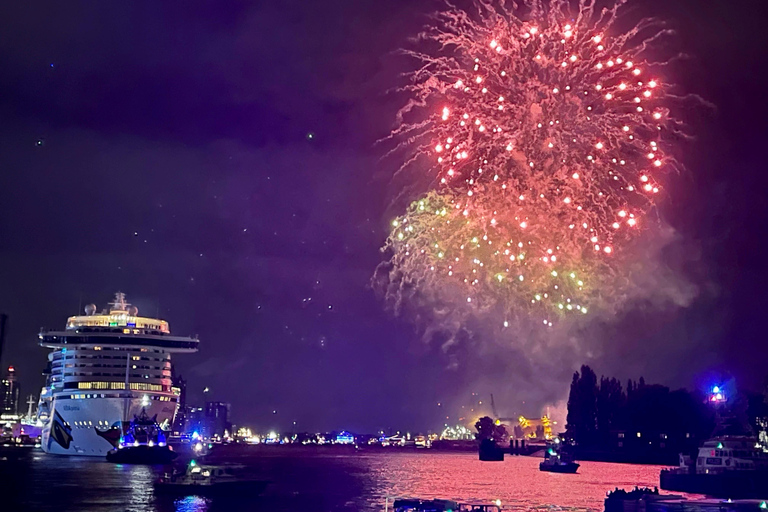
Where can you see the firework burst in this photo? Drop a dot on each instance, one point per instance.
(548, 133)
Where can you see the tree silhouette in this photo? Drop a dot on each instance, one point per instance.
(581, 422)
(488, 429)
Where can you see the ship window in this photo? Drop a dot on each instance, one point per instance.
(714, 461)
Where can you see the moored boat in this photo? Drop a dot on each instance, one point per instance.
(734, 467)
(649, 500)
(143, 442)
(209, 480)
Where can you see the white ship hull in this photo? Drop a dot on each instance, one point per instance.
(89, 426)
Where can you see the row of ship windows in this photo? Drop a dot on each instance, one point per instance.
(101, 374)
(139, 386)
(82, 396)
(718, 461)
(83, 424)
(114, 319)
(107, 372)
(89, 353)
(99, 365)
(120, 357)
(115, 349)
(744, 454)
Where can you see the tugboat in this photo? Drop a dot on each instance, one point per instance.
(557, 460)
(208, 480)
(143, 442)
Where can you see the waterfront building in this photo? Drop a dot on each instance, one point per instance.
(10, 391)
(217, 422)
(194, 421)
(180, 420)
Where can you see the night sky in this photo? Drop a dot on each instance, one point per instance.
(216, 161)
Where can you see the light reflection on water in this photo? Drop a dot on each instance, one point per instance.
(322, 480)
(191, 504)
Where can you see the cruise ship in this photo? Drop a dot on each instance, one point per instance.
(105, 369)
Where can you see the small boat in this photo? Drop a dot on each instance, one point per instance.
(142, 454)
(143, 442)
(557, 460)
(435, 505)
(560, 467)
(208, 480)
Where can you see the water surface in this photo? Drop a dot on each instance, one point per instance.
(315, 481)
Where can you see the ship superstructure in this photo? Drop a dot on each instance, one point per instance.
(105, 369)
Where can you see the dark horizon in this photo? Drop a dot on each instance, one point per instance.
(164, 151)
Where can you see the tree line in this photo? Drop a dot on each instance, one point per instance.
(600, 412)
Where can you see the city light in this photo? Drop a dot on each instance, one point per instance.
(717, 395)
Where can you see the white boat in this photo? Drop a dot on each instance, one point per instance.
(726, 466)
(106, 368)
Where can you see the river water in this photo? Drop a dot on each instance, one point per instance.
(315, 481)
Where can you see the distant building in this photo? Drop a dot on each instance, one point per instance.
(208, 422)
(10, 391)
(194, 421)
(180, 420)
(217, 419)
(345, 437)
